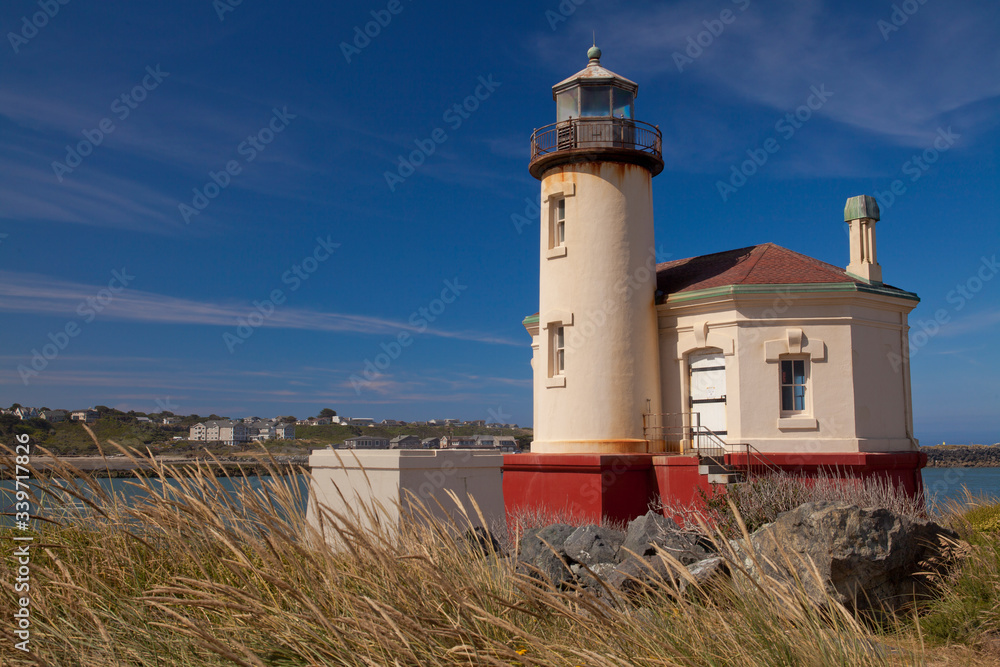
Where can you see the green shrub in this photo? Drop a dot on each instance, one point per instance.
(985, 518)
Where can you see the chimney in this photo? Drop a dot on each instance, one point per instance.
(861, 213)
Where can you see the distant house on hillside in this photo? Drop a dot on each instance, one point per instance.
(366, 442)
(26, 413)
(361, 421)
(243, 431)
(86, 416)
(314, 421)
(405, 442)
(170, 421)
(53, 416)
(261, 430)
(458, 442)
(233, 432)
(506, 443)
(225, 431)
(430, 443)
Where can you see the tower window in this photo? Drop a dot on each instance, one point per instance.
(560, 223)
(793, 385)
(559, 351)
(557, 228)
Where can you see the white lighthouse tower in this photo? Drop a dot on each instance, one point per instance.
(596, 356)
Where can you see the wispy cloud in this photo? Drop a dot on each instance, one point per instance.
(963, 325)
(41, 295)
(937, 69)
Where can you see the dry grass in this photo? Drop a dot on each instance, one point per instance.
(763, 497)
(201, 575)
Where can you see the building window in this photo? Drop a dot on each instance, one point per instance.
(793, 385)
(557, 228)
(553, 347)
(560, 222)
(559, 351)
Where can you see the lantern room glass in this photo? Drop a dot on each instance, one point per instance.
(595, 101)
(622, 102)
(568, 104)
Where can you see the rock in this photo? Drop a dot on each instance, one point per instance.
(865, 558)
(653, 530)
(593, 577)
(638, 575)
(542, 555)
(591, 545)
(704, 571)
(482, 543)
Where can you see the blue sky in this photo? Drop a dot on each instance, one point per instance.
(287, 135)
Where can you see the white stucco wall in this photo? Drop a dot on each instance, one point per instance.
(601, 289)
(362, 484)
(858, 394)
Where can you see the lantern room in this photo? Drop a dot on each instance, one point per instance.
(595, 111)
(595, 93)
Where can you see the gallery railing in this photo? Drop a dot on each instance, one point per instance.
(602, 132)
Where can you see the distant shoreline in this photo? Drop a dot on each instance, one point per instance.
(962, 456)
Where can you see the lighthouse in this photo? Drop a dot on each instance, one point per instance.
(595, 344)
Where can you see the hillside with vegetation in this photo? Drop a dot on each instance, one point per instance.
(69, 438)
(328, 434)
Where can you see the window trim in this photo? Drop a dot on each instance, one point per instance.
(555, 376)
(554, 247)
(559, 351)
(796, 345)
(557, 246)
(806, 410)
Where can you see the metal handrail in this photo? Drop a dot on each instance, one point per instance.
(598, 132)
(761, 457)
(674, 430)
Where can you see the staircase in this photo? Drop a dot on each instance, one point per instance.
(683, 433)
(718, 472)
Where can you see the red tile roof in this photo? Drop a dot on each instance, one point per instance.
(765, 264)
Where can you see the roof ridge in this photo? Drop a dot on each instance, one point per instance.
(675, 262)
(753, 261)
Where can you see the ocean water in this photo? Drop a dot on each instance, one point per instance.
(128, 491)
(942, 484)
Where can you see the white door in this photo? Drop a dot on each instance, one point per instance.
(708, 392)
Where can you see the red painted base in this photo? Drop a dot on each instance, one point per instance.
(621, 487)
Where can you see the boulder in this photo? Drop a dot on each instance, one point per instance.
(652, 530)
(481, 542)
(865, 558)
(542, 555)
(638, 575)
(587, 577)
(704, 571)
(592, 545)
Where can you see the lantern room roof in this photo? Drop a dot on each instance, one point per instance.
(594, 73)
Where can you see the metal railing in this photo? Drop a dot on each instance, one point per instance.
(757, 459)
(602, 132)
(682, 433)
